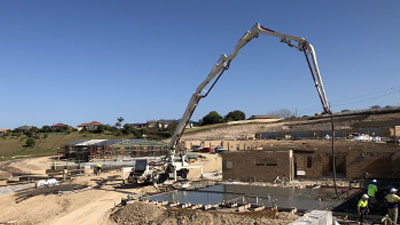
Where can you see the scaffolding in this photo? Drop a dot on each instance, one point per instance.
(113, 149)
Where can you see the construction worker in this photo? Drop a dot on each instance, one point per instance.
(362, 207)
(392, 202)
(98, 168)
(372, 189)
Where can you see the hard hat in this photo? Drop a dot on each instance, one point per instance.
(393, 190)
(365, 196)
(374, 180)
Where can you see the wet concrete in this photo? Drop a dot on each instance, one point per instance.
(268, 196)
(195, 197)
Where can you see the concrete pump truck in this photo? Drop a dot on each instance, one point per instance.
(173, 166)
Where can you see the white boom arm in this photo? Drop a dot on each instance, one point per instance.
(223, 64)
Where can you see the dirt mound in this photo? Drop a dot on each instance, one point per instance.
(35, 210)
(24, 166)
(144, 213)
(138, 213)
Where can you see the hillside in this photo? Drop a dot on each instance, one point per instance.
(13, 146)
(225, 131)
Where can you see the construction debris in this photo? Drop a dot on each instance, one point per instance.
(63, 188)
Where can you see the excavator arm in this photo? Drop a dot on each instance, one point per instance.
(224, 62)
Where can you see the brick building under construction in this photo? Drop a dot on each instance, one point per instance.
(115, 148)
(263, 160)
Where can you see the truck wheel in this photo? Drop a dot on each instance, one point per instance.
(185, 172)
(162, 178)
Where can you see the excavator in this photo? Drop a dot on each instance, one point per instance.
(173, 166)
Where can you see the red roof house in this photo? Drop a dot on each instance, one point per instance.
(89, 126)
(59, 125)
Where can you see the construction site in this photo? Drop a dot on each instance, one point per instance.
(253, 181)
(327, 169)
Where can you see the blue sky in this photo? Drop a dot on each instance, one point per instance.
(79, 61)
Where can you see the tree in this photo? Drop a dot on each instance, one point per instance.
(283, 113)
(138, 133)
(46, 129)
(235, 116)
(128, 128)
(211, 118)
(100, 129)
(31, 131)
(171, 128)
(30, 142)
(119, 123)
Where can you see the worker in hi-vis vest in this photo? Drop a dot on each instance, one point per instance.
(98, 168)
(372, 189)
(392, 202)
(362, 207)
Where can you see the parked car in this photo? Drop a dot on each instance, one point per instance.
(219, 149)
(207, 150)
(196, 148)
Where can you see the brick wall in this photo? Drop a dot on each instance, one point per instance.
(353, 159)
(257, 165)
(375, 164)
(311, 164)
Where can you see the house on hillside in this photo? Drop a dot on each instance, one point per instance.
(59, 125)
(151, 124)
(162, 124)
(137, 125)
(190, 124)
(89, 126)
(3, 132)
(22, 129)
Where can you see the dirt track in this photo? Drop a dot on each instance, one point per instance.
(86, 207)
(91, 211)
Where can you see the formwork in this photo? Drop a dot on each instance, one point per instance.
(87, 150)
(256, 196)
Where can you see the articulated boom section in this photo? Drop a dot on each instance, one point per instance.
(223, 64)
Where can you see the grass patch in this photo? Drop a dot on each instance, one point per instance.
(16, 146)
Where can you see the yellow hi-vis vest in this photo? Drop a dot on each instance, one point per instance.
(362, 203)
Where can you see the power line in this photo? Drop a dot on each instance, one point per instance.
(365, 100)
(372, 94)
(393, 90)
